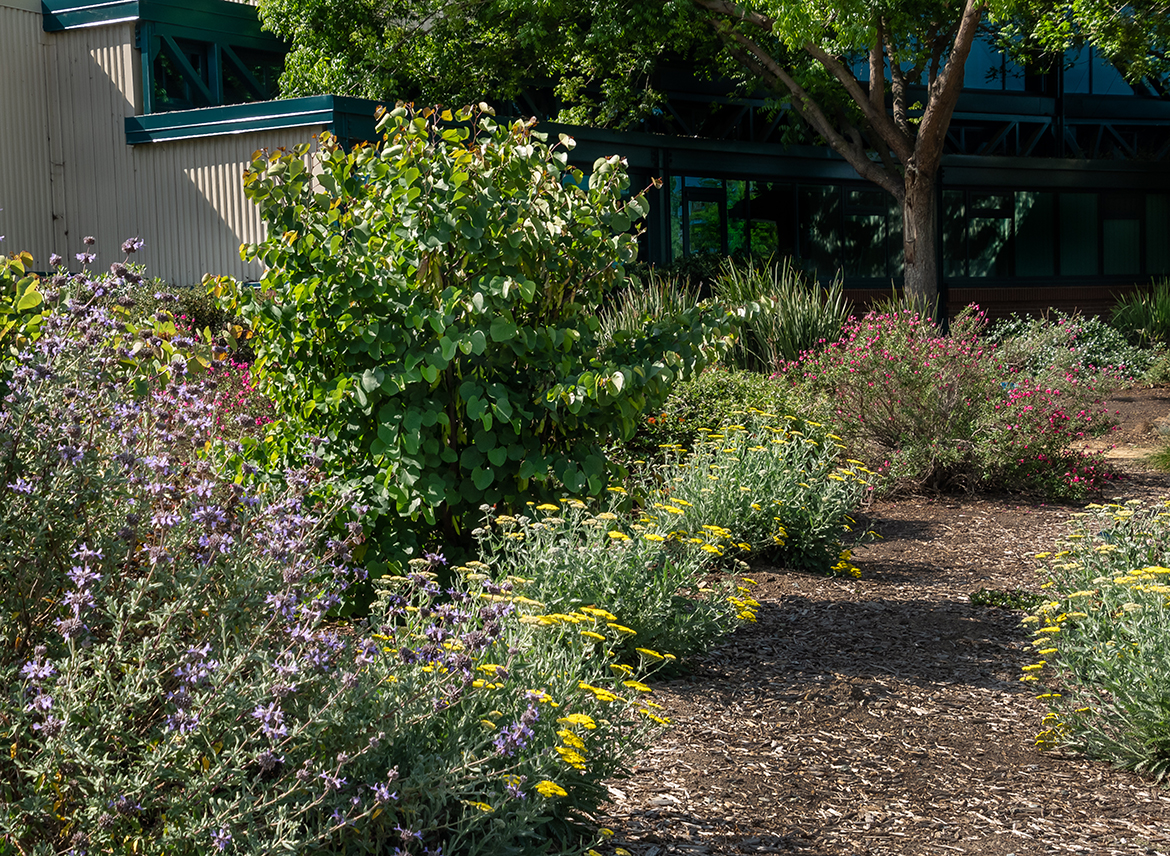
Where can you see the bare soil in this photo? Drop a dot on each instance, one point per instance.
(885, 715)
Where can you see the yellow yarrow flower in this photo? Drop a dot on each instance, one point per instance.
(592, 635)
(571, 757)
(482, 806)
(582, 719)
(598, 613)
(550, 789)
(571, 739)
(598, 693)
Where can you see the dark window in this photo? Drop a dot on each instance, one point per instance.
(1078, 234)
(1121, 229)
(1157, 233)
(820, 225)
(1035, 251)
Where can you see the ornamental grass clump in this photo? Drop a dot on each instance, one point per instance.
(1102, 639)
(791, 313)
(173, 678)
(769, 486)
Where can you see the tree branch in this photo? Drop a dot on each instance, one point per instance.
(877, 118)
(760, 62)
(943, 93)
(898, 85)
(734, 10)
(938, 43)
(877, 68)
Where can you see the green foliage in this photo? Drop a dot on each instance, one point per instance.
(702, 404)
(171, 683)
(649, 577)
(794, 315)
(1007, 598)
(427, 310)
(431, 51)
(659, 299)
(1060, 343)
(20, 299)
(1145, 315)
(771, 486)
(941, 412)
(1101, 640)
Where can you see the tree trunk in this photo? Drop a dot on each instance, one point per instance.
(920, 241)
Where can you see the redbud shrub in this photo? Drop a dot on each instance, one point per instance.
(429, 309)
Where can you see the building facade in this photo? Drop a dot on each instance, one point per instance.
(138, 117)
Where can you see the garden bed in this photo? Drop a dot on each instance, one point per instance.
(885, 715)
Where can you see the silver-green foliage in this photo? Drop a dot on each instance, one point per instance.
(794, 314)
(774, 485)
(1059, 343)
(648, 576)
(1103, 639)
(172, 681)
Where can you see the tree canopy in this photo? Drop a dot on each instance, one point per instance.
(877, 81)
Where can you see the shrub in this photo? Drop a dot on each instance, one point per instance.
(940, 412)
(904, 392)
(700, 404)
(428, 310)
(650, 578)
(770, 486)
(1145, 315)
(794, 315)
(172, 681)
(1101, 640)
(1060, 344)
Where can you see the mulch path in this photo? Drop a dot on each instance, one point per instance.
(885, 715)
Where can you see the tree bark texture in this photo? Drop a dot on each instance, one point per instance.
(920, 240)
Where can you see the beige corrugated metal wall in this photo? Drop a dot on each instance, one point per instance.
(183, 198)
(66, 170)
(27, 218)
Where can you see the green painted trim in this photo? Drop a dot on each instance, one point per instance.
(60, 16)
(352, 119)
(205, 20)
(658, 154)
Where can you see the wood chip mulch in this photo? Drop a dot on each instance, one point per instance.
(885, 715)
